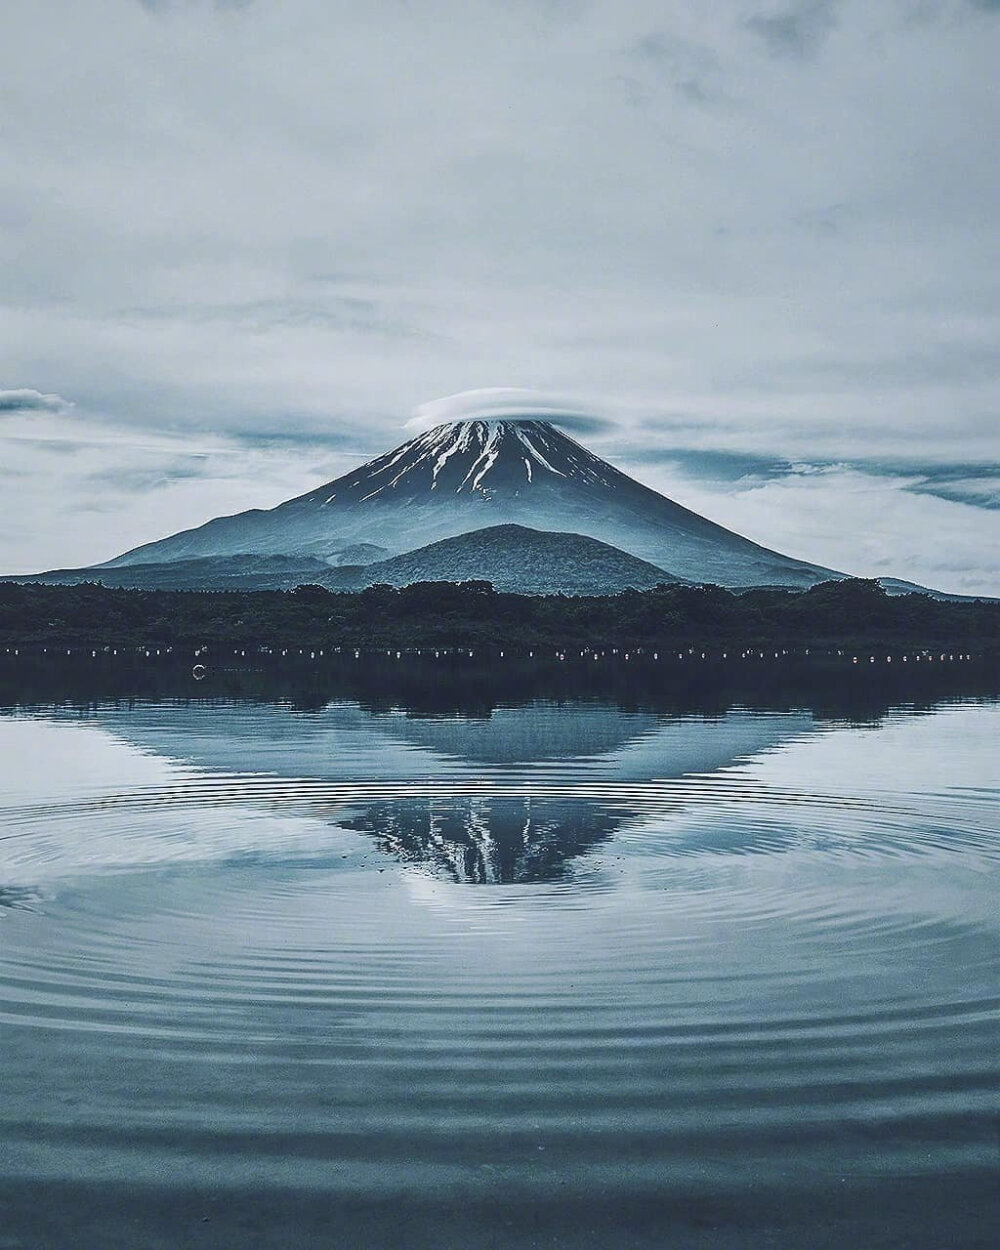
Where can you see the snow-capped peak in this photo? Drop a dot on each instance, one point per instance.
(480, 456)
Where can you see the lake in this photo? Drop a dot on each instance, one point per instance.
(457, 957)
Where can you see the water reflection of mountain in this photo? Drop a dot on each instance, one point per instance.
(426, 774)
(509, 797)
(489, 841)
(343, 741)
(536, 731)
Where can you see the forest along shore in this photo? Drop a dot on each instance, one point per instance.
(840, 618)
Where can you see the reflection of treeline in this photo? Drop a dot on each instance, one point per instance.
(464, 686)
(852, 612)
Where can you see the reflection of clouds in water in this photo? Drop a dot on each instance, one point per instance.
(903, 752)
(62, 756)
(508, 912)
(52, 844)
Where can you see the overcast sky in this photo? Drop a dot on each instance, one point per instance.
(753, 245)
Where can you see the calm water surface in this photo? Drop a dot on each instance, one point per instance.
(586, 972)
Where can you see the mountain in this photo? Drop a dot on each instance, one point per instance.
(473, 475)
(513, 558)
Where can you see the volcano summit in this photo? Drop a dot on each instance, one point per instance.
(453, 480)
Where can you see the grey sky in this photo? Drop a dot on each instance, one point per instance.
(241, 243)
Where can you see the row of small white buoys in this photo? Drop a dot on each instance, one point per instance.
(560, 654)
(916, 659)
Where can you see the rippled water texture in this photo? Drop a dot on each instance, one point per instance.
(553, 974)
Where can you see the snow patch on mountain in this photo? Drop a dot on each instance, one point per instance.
(488, 451)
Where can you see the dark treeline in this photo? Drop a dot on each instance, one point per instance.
(853, 612)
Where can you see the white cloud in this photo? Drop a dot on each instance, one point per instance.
(83, 495)
(861, 523)
(511, 402)
(28, 400)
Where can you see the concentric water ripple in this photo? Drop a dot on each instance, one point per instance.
(535, 984)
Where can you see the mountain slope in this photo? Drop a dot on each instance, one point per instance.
(238, 572)
(476, 474)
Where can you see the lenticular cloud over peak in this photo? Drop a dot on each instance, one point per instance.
(508, 403)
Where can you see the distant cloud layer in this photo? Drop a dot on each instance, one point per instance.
(27, 400)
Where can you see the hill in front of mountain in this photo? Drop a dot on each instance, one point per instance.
(513, 558)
